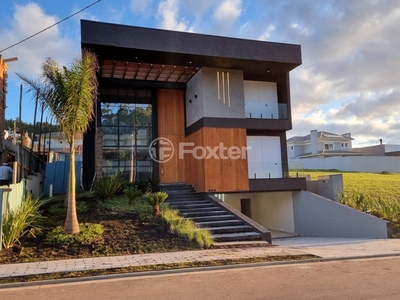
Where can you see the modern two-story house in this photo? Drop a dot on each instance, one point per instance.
(207, 110)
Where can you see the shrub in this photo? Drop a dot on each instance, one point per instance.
(204, 238)
(25, 220)
(59, 209)
(154, 184)
(107, 187)
(143, 185)
(89, 233)
(383, 207)
(155, 199)
(186, 228)
(132, 193)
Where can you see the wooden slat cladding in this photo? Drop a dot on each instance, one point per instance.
(171, 125)
(220, 174)
(195, 168)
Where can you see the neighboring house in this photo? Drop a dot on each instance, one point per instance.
(306, 152)
(380, 150)
(321, 144)
(56, 142)
(207, 110)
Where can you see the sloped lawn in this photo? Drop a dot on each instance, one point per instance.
(125, 232)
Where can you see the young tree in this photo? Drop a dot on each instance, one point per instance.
(69, 94)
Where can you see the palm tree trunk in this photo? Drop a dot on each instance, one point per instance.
(156, 210)
(71, 222)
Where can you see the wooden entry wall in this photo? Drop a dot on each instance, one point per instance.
(171, 125)
(218, 175)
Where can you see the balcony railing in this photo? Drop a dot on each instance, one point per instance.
(265, 169)
(257, 110)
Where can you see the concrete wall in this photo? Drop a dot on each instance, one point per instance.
(223, 98)
(369, 164)
(319, 217)
(330, 186)
(273, 211)
(194, 99)
(34, 184)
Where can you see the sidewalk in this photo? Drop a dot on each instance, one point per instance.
(327, 248)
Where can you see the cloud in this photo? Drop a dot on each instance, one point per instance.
(140, 6)
(27, 20)
(168, 13)
(226, 15)
(265, 36)
(349, 62)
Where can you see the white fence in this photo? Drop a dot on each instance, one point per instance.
(11, 198)
(369, 164)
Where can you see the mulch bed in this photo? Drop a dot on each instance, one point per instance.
(124, 234)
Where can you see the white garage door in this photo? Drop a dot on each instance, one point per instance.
(264, 157)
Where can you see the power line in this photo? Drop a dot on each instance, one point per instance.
(50, 26)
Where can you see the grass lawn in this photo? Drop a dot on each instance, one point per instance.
(383, 185)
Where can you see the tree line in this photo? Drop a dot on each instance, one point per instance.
(28, 127)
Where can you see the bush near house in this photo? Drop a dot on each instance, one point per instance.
(26, 220)
(108, 187)
(382, 207)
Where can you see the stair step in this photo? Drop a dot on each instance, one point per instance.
(190, 205)
(225, 237)
(199, 209)
(187, 200)
(185, 195)
(179, 189)
(203, 214)
(230, 229)
(220, 223)
(213, 218)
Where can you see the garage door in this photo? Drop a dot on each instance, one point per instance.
(264, 157)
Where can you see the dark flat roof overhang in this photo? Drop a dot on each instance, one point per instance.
(259, 60)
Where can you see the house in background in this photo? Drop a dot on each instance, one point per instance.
(380, 149)
(322, 150)
(320, 144)
(209, 111)
(56, 146)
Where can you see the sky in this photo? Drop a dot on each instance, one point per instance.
(349, 81)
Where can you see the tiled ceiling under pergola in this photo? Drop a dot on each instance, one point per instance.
(149, 72)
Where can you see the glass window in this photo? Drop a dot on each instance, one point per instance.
(127, 134)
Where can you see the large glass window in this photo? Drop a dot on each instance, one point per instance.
(127, 134)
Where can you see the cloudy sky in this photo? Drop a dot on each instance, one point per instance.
(349, 80)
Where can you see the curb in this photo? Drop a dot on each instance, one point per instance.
(190, 270)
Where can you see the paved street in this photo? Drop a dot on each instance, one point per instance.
(349, 279)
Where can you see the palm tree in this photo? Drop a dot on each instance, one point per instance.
(155, 200)
(69, 94)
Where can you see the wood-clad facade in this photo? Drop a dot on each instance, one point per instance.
(171, 107)
(217, 172)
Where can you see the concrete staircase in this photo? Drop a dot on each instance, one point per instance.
(224, 225)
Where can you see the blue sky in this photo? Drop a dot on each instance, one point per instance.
(349, 80)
